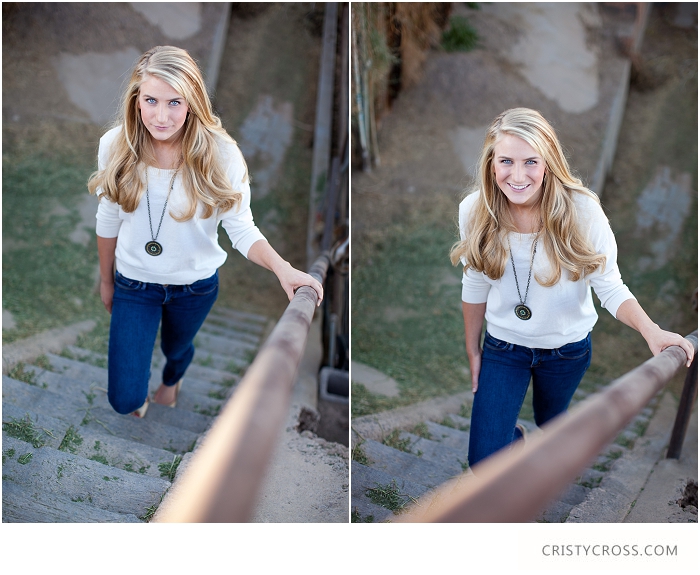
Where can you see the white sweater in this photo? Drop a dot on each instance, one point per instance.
(191, 250)
(561, 314)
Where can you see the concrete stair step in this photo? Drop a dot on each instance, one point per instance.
(194, 395)
(232, 364)
(208, 342)
(248, 321)
(23, 505)
(404, 465)
(364, 478)
(80, 479)
(449, 459)
(459, 422)
(147, 430)
(194, 371)
(50, 430)
(122, 453)
(41, 401)
(448, 436)
(228, 331)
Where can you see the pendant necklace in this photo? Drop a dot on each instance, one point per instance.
(522, 311)
(153, 248)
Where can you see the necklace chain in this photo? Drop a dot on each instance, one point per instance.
(148, 204)
(529, 275)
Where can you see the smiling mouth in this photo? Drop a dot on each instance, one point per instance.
(518, 188)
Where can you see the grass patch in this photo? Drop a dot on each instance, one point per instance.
(358, 454)
(389, 496)
(168, 470)
(394, 440)
(25, 430)
(460, 36)
(421, 430)
(47, 279)
(399, 315)
(8, 453)
(26, 458)
(20, 374)
(71, 440)
(100, 459)
(356, 517)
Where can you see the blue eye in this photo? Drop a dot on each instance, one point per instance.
(505, 161)
(151, 100)
(531, 162)
(175, 102)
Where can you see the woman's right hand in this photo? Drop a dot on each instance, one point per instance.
(107, 294)
(475, 368)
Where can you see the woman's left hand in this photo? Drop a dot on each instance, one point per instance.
(659, 339)
(292, 279)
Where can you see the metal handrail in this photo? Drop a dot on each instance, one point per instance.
(514, 485)
(222, 480)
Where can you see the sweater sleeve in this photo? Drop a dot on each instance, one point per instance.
(238, 221)
(475, 288)
(607, 283)
(108, 220)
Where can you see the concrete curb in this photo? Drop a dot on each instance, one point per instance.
(377, 425)
(51, 341)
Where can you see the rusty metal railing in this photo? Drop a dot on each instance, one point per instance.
(221, 481)
(513, 486)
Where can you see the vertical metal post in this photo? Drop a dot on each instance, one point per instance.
(685, 408)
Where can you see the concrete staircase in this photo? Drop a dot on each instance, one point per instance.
(394, 468)
(67, 456)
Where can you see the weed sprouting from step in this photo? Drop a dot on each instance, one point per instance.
(151, 511)
(71, 440)
(447, 422)
(18, 372)
(211, 411)
(26, 458)
(464, 464)
(8, 453)
(26, 430)
(206, 362)
(421, 430)
(43, 362)
(168, 470)
(465, 410)
(389, 496)
(356, 517)
(100, 459)
(90, 396)
(358, 454)
(394, 440)
(219, 394)
(68, 354)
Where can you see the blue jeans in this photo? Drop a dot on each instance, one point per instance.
(137, 310)
(506, 370)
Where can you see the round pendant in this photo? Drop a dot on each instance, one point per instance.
(154, 248)
(523, 312)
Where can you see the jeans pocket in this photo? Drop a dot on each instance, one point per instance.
(494, 344)
(126, 283)
(205, 286)
(575, 350)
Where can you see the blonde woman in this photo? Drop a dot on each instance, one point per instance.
(534, 241)
(168, 174)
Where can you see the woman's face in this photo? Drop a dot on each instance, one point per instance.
(519, 170)
(163, 110)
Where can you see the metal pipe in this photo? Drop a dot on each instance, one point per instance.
(514, 485)
(685, 409)
(221, 482)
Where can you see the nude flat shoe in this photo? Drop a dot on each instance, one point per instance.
(141, 411)
(177, 393)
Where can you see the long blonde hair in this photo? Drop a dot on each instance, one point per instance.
(204, 177)
(565, 243)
